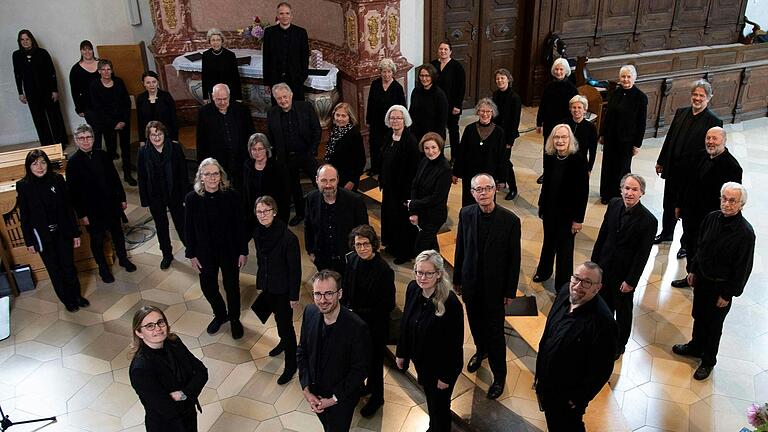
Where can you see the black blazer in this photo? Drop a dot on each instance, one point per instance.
(554, 104)
(429, 111)
(350, 213)
(297, 67)
(177, 183)
(496, 268)
(452, 80)
(274, 182)
(221, 68)
(477, 155)
(377, 298)
(308, 129)
(164, 112)
(344, 366)
(95, 187)
(439, 352)
(510, 105)
(199, 240)
(153, 380)
(622, 253)
(349, 157)
(35, 218)
(210, 129)
(683, 143)
(624, 122)
(380, 100)
(701, 193)
(278, 256)
(109, 106)
(399, 168)
(429, 191)
(80, 86)
(566, 200)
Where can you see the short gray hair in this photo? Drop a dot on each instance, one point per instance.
(387, 63)
(83, 128)
(489, 103)
(722, 132)
(221, 86)
(473, 182)
(563, 62)
(407, 121)
(632, 70)
(579, 99)
(735, 186)
(704, 84)
(282, 86)
(215, 32)
(589, 265)
(637, 178)
(259, 137)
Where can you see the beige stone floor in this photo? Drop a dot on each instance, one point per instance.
(74, 366)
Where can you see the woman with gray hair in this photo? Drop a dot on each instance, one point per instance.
(265, 175)
(583, 129)
(384, 93)
(482, 150)
(220, 66)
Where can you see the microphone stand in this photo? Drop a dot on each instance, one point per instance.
(5, 421)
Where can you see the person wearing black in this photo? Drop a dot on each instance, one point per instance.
(223, 129)
(482, 150)
(452, 80)
(554, 101)
(681, 146)
(385, 92)
(217, 240)
(576, 351)
(99, 199)
(622, 131)
(220, 67)
(428, 206)
(111, 115)
(562, 204)
(285, 50)
(400, 157)
(36, 83)
(278, 277)
(49, 226)
(155, 104)
(583, 129)
(432, 336)
(345, 149)
(718, 272)
(429, 104)
(701, 193)
(485, 273)
(294, 130)
(332, 354)
(369, 291)
(166, 376)
(264, 174)
(332, 213)
(163, 183)
(509, 105)
(82, 74)
(622, 249)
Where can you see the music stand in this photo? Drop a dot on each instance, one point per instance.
(5, 421)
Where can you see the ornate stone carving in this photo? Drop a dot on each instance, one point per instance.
(393, 27)
(169, 10)
(351, 30)
(373, 31)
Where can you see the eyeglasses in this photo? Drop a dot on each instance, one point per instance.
(264, 212)
(484, 111)
(362, 245)
(561, 137)
(586, 283)
(211, 174)
(427, 275)
(396, 119)
(84, 138)
(481, 189)
(426, 75)
(156, 135)
(328, 295)
(730, 201)
(153, 325)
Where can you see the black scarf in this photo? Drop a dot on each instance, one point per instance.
(268, 238)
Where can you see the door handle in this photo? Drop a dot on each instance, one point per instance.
(488, 32)
(474, 32)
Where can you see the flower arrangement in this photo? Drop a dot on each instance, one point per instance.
(758, 417)
(255, 30)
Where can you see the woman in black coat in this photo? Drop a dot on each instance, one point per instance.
(429, 104)
(345, 149)
(166, 376)
(220, 67)
(155, 104)
(278, 277)
(562, 204)
(163, 183)
(265, 175)
(400, 157)
(583, 129)
(554, 100)
(482, 150)
(452, 80)
(82, 74)
(369, 291)
(432, 335)
(428, 206)
(384, 93)
(509, 105)
(38, 89)
(622, 132)
(49, 226)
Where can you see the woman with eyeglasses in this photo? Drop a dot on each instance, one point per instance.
(263, 175)
(369, 291)
(278, 277)
(432, 336)
(155, 104)
(385, 92)
(554, 101)
(429, 104)
(166, 376)
(482, 150)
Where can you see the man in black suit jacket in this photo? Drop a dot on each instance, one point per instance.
(486, 271)
(332, 354)
(332, 213)
(622, 248)
(223, 129)
(683, 144)
(285, 50)
(294, 131)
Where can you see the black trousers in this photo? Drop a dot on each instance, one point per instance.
(49, 123)
(691, 224)
(438, 404)
(558, 242)
(338, 418)
(617, 161)
(668, 219)
(561, 416)
(466, 191)
(209, 284)
(708, 321)
(375, 138)
(298, 163)
(111, 137)
(335, 263)
(622, 304)
(426, 238)
(379, 328)
(98, 232)
(159, 213)
(486, 322)
(511, 181)
(58, 258)
(453, 132)
(281, 307)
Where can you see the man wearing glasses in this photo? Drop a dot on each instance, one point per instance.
(718, 272)
(576, 351)
(486, 271)
(332, 354)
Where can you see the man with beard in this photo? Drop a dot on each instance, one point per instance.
(332, 213)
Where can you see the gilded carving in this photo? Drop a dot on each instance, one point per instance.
(351, 29)
(169, 7)
(393, 25)
(373, 32)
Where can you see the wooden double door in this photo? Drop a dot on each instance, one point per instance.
(484, 34)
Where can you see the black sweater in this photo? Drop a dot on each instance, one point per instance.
(429, 191)
(278, 256)
(80, 84)
(565, 189)
(225, 237)
(624, 122)
(369, 287)
(221, 68)
(509, 105)
(109, 105)
(162, 110)
(477, 155)
(554, 104)
(177, 183)
(586, 135)
(453, 82)
(429, 111)
(43, 202)
(34, 73)
(380, 100)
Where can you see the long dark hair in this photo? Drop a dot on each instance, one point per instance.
(32, 156)
(31, 36)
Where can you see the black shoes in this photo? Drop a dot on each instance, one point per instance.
(296, 220)
(130, 180)
(495, 390)
(475, 362)
(237, 329)
(286, 376)
(106, 275)
(83, 302)
(660, 238)
(538, 278)
(702, 372)
(680, 283)
(215, 325)
(681, 253)
(512, 194)
(127, 264)
(370, 408)
(166, 262)
(686, 350)
(276, 351)
(540, 180)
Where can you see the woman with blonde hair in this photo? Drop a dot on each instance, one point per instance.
(554, 100)
(345, 149)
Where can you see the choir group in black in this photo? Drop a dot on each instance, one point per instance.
(345, 332)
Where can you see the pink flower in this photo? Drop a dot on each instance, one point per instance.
(757, 415)
(256, 19)
(257, 32)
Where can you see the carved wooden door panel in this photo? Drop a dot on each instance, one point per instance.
(462, 19)
(655, 15)
(576, 18)
(691, 13)
(725, 88)
(498, 43)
